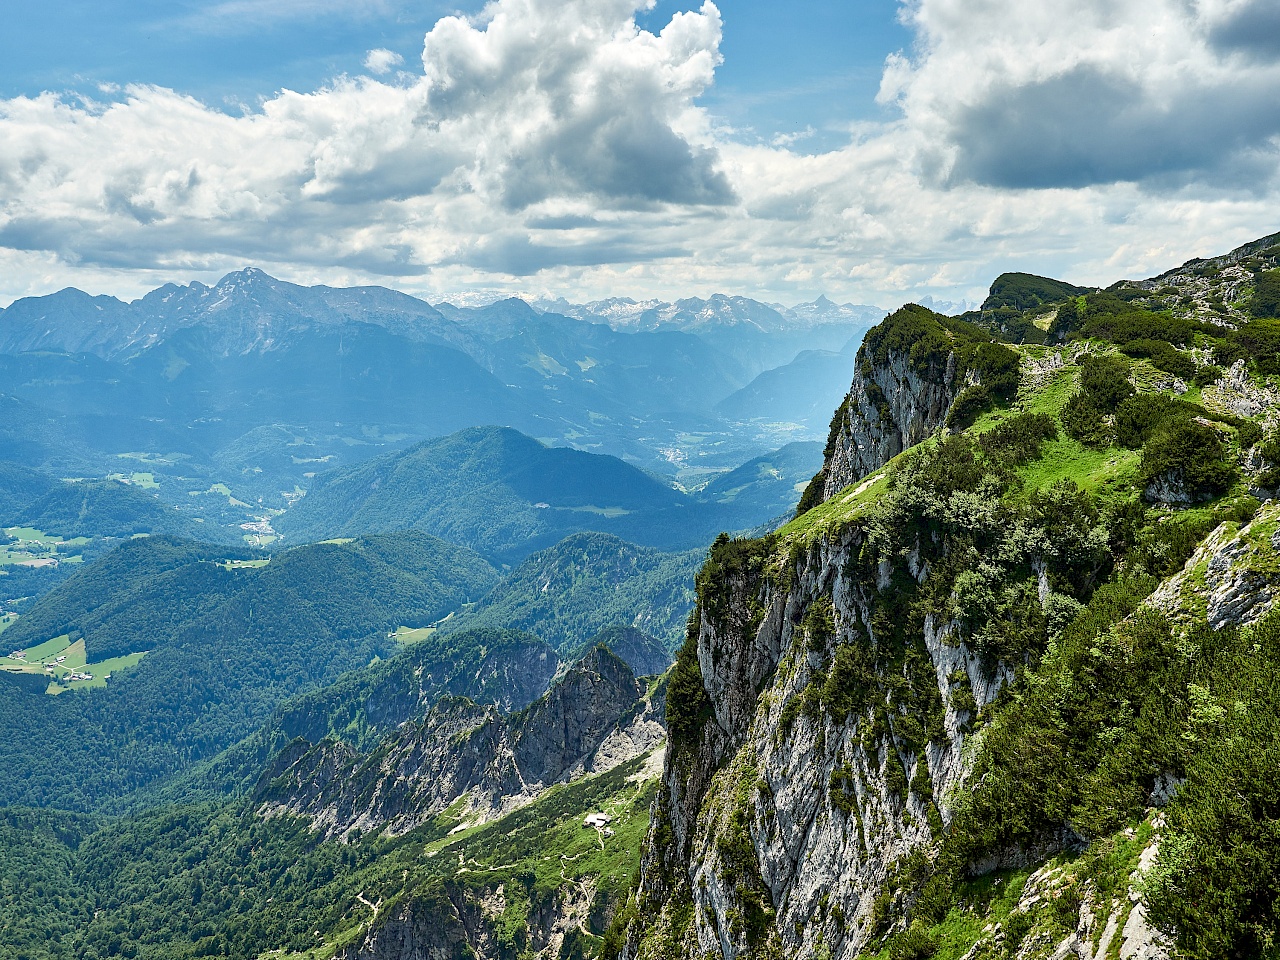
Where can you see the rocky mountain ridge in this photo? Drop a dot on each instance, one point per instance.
(593, 718)
(851, 704)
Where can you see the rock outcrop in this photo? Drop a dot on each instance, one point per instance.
(890, 407)
(595, 717)
(1231, 578)
(910, 372)
(456, 921)
(787, 825)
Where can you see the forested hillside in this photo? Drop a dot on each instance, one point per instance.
(568, 593)
(225, 639)
(505, 495)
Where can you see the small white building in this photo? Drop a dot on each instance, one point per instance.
(597, 820)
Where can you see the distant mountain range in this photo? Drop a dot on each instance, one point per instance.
(223, 403)
(505, 495)
(718, 310)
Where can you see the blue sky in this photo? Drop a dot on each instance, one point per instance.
(871, 150)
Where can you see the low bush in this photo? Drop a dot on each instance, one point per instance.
(1265, 301)
(1206, 375)
(1189, 454)
(1105, 380)
(1143, 413)
(1163, 356)
(1082, 420)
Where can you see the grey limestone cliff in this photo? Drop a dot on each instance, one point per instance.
(890, 407)
(909, 374)
(823, 711)
(595, 717)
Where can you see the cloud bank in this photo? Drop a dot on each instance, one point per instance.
(552, 145)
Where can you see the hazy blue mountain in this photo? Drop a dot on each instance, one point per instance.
(569, 592)
(804, 391)
(756, 335)
(84, 508)
(824, 311)
(245, 310)
(233, 397)
(69, 321)
(768, 486)
(492, 488)
(506, 495)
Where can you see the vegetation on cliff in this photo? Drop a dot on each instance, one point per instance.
(1030, 532)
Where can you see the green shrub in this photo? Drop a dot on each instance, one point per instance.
(850, 681)
(1019, 439)
(1259, 340)
(688, 706)
(914, 943)
(1227, 351)
(1265, 301)
(1082, 420)
(812, 496)
(1142, 414)
(1270, 452)
(1248, 434)
(1209, 373)
(1111, 318)
(996, 365)
(1217, 879)
(1105, 380)
(1163, 356)
(968, 406)
(1191, 454)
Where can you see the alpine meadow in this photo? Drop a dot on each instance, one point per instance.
(637, 480)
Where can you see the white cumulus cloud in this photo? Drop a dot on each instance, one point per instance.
(382, 61)
(553, 145)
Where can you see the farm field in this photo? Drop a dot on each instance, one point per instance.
(65, 664)
(244, 564)
(147, 481)
(29, 547)
(407, 636)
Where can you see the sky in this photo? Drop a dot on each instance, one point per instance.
(872, 150)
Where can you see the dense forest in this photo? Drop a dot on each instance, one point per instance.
(225, 642)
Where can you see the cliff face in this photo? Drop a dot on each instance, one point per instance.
(455, 922)
(596, 717)
(844, 722)
(891, 406)
(910, 371)
(787, 822)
